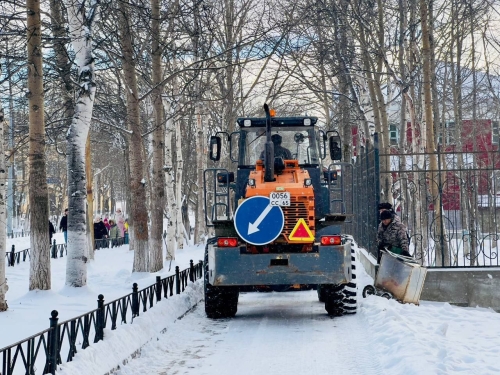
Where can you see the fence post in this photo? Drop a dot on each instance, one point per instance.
(54, 250)
(191, 271)
(441, 224)
(99, 329)
(12, 256)
(135, 301)
(53, 341)
(22, 232)
(200, 269)
(177, 281)
(25, 252)
(158, 288)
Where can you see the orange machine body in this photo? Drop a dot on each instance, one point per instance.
(292, 180)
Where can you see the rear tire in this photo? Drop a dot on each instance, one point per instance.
(220, 301)
(321, 293)
(341, 299)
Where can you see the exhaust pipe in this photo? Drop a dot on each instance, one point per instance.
(269, 149)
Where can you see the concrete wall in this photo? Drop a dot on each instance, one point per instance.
(465, 287)
(458, 286)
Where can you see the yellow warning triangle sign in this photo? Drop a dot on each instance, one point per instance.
(301, 232)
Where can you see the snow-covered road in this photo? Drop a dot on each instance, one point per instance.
(272, 333)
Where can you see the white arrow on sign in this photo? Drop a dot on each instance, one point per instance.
(254, 227)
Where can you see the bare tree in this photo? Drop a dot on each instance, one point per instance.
(81, 16)
(3, 235)
(140, 232)
(158, 181)
(38, 197)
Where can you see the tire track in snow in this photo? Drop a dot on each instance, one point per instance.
(274, 333)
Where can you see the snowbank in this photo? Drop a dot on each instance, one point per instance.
(124, 343)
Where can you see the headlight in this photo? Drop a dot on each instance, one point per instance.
(247, 123)
(307, 121)
(307, 182)
(251, 182)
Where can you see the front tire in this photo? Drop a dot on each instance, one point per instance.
(220, 301)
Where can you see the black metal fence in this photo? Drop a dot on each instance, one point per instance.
(21, 233)
(451, 206)
(42, 352)
(366, 197)
(14, 257)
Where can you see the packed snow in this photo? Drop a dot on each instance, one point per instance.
(275, 333)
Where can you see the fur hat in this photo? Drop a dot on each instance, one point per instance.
(385, 206)
(386, 215)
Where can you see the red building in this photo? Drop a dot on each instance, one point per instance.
(471, 161)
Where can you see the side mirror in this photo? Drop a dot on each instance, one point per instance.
(215, 146)
(335, 148)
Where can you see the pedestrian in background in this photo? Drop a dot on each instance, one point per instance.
(63, 225)
(120, 222)
(100, 233)
(126, 236)
(52, 230)
(106, 223)
(113, 233)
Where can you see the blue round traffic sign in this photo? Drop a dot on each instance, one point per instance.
(257, 222)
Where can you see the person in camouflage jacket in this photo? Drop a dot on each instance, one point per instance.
(392, 234)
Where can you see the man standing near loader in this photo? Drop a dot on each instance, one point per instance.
(392, 234)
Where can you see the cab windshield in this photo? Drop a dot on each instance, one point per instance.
(300, 142)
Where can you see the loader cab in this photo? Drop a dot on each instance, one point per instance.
(300, 141)
(307, 146)
(299, 136)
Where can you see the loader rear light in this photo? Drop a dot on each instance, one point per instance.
(331, 240)
(227, 242)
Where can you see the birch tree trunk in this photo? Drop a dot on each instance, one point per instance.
(474, 229)
(169, 183)
(38, 193)
(200, 155)
(90, 199)
(158, 181)
(178, 187)
(139, 214)
(80, 27)
(3, 235)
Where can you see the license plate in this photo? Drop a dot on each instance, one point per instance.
(280, 199)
